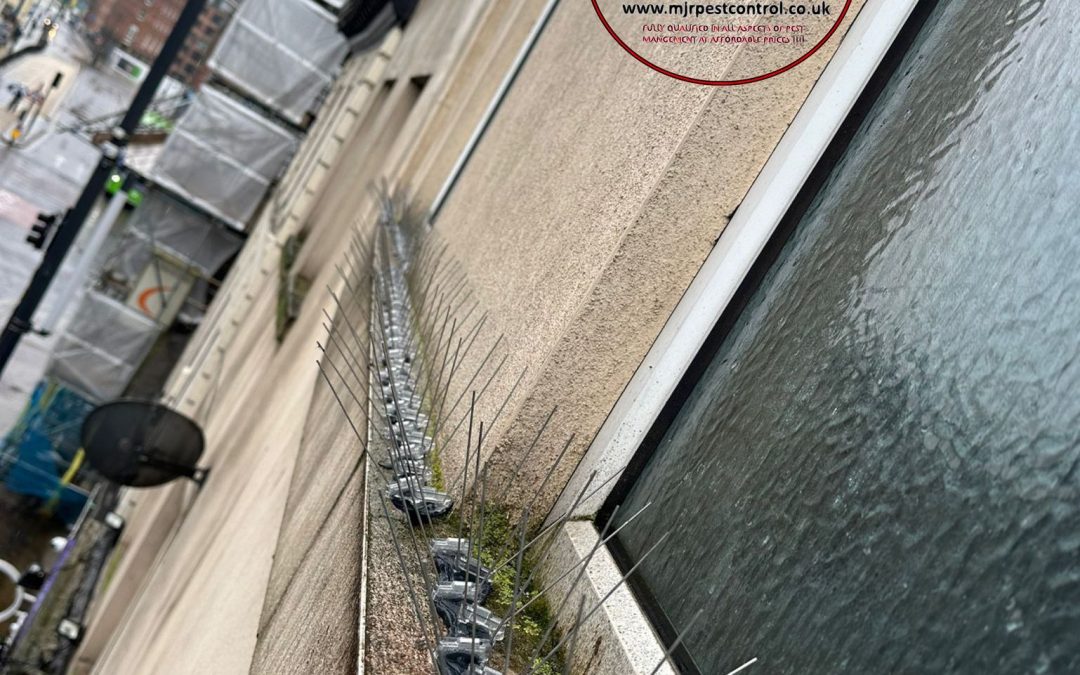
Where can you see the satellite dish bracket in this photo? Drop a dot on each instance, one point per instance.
(195, 474)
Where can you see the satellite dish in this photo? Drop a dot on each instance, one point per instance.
(142, 444)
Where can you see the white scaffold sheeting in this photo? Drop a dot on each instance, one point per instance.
(102, 348)
(164, 223)
(281, 53)
(223, 157)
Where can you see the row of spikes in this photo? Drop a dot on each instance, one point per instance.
(416, 356)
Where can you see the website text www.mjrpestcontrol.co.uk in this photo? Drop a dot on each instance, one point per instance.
(689, 9)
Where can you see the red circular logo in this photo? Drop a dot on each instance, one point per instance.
(790, 31)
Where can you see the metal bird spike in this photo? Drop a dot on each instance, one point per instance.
(413, 482)
(551, 470)
(420, 557)
(450, 279)
(469, 340)
(432, 313)
(483, 390)
(480, 536)
(360, 244)
(381, 339)
(358, 374)
(584, 561)
(468, 447)
(354, 274)
(422, 265)
(424, 513)
(420, 355)
(602, 600)
(463, 319)
(347, 354)
(573, 587)
(442, 418)
(524, 521)
(474, 333)
(426, 318)
(479, 368)
(678, 641)
(361, 439)
(352, 329)
(341, 344)
(433, 386)
(543, 532)
(430, 271)
(472, 308)
(431, 285)
(436, 282)
(527, 456)
(472, 503)
(427, 250)
(438, 348)
(335, 328)
(355, 294)
(442, 396)
(421, 622)
(516, 595)
(550, 527)
(435, 340)
(520, 584)
(510, 395)
(407, 320)
(344, 383)
(569, 665)
(455, 302)
(461, 502)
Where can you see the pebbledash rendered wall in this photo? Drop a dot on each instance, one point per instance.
(584, 213)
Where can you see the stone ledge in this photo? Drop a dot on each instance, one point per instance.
(618, 639)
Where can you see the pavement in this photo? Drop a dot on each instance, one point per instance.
(45, 172)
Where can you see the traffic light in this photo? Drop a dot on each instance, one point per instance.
(41, 231)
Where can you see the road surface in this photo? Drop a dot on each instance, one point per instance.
(46, 174)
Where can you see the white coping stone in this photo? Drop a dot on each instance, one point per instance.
(618, 638)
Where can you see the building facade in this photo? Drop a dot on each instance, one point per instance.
(701, 294)
(141, 28)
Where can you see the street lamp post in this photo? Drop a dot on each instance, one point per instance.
(21, 320)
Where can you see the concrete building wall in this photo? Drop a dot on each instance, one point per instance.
(259, 544)
(585, 211)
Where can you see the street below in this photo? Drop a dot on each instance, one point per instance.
(43, 172)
